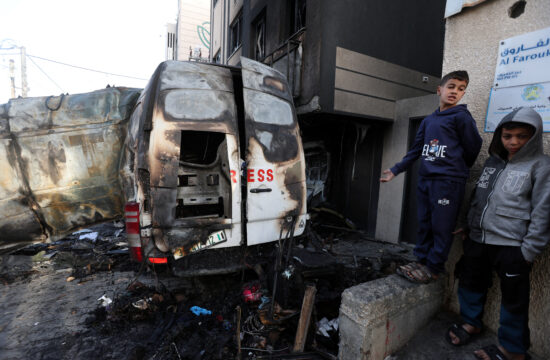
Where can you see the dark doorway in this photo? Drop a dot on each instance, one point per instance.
(352, 160)
(356, 183)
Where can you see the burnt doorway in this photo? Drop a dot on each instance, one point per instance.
(409, 226)
(356, 184)
(344, 159)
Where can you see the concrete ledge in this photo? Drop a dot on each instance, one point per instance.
(378, 317)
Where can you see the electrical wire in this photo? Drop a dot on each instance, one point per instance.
(43, 72)
(84, 68)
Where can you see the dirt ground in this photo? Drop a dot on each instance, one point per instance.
(83, 299)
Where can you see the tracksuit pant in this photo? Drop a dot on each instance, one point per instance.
(439, 202)
(474, 272)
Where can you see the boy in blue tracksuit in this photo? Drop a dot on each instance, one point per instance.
(508, 226)
(448, 143)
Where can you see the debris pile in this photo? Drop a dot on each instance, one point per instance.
(282, 303)
(273, 301)
(228, 322)
(99, 248)
(170, 324)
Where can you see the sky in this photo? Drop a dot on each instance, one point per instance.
(124, 37)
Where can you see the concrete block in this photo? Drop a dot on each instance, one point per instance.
(378, 317)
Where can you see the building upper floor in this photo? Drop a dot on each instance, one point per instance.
(353, 57)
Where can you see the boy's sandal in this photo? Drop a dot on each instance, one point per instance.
(463, 336)
(494, 353)
(410, 266)
(420, 275)
(403, 269)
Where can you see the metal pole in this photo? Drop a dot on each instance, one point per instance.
(12, 78)
(288, 61)
(24, 87)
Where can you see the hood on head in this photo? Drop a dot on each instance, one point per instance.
(534, 146)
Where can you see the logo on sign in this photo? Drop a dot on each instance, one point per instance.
(532, 92)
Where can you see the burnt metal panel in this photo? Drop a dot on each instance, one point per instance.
(209, 87)
(182, 97)
(59, 159)
(265, 79)
(273, 143)
(270, 116)
(194, 75)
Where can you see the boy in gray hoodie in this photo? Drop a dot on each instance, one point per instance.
(509, 225)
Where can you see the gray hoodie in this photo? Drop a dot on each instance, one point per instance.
(511, 203)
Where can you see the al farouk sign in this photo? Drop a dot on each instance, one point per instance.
(522, 78)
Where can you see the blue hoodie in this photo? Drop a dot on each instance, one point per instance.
(448, 142)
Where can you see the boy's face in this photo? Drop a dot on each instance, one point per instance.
(514, 139)
(450, 93)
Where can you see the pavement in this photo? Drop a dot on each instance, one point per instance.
(430, 343)
(44, 316)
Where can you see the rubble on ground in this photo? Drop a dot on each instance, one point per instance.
(99, 248)
(252, 313)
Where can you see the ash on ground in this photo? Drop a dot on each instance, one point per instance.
(140, 311)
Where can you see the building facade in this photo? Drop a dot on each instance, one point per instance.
(189, 38)
(348, 64)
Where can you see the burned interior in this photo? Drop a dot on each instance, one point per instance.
(204, 184)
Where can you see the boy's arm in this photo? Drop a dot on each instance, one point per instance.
(412, 154)
(469, 139)
(538, 232)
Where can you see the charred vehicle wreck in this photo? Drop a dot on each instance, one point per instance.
(207, 156)
(59, 163)
(213, 159)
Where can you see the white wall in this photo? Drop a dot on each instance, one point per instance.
(471, 43)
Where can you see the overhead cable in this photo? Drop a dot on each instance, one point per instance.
(43, 72)
(84, 68)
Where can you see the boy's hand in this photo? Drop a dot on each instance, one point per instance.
(387, 175)
(461, 231)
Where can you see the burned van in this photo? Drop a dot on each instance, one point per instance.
(213, 159)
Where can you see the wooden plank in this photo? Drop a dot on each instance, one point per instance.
(305, 317)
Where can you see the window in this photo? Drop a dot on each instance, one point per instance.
(268, 109)
(236, 33)
(259, 39)
(197, 104)
(297, 15)
(217, 59)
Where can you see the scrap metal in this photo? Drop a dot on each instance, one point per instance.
(59, 161)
